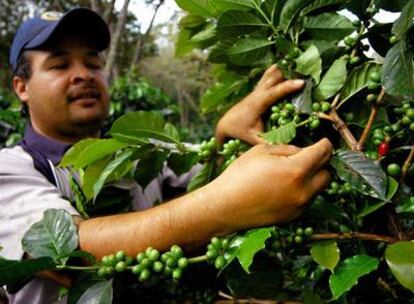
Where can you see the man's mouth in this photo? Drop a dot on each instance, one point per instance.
(85, 94)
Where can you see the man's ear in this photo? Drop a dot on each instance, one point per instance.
(20, 87)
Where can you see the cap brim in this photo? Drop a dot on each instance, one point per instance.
(80, 22)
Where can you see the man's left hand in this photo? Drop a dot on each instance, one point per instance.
(243, 121)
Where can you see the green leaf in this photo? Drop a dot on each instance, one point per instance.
(290, 11)
(281, 135)
(225, 5)
(80, 284)
(198, 7)
(319, 4)
(310, 63)
(357, 80)
(184, 44)
(328, 26)
(109, 169)
(70, 157)
(141, 124)
(234, 23)
(348, 272)
(98, 150)
(325, 253)
(361, 173)
(264, 282)
(100, 293)
(15, 273)
(399, 257)
(206, 34)
(217, 94)
(405, 21)
(303, 101)
(149, 167)
(55, 235)
(254, 241)
(172, 131)
(191, 21)
(182, 163)
(91, 175)
(398, 71)
(332, 81)
(391, 191)
(248, 50)
(204, 176)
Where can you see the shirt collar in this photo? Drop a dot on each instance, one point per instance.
(52, 149)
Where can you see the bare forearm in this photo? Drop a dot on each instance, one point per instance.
(188, 221)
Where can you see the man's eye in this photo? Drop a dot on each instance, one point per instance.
(60, 66)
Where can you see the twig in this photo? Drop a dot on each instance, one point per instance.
(354, 235)
(232, 300)
(406, 165)
(335, 101)
(371, 120)
(343, 130)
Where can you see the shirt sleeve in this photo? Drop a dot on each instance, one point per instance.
(24, 195)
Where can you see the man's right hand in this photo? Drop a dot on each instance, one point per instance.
(271, 184)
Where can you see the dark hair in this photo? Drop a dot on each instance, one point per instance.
(23, 68)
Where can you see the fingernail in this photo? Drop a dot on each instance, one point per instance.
(298, 81)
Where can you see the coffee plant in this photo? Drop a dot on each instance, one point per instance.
(354, 242)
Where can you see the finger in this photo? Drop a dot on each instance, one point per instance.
(283, 150)
(270, 77)
(312, 158)
(320, 180)
(280, 91)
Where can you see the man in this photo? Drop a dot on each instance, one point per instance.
(59, 77)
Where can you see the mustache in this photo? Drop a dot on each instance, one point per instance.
(85, 91)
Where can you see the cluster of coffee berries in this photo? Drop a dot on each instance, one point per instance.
(216, 252)
(283, 238)
(314, 122)
(289, 59)
(374, 82)
(231, 150)
(339, 189)
(170, 264)
(118, 262)
(406, 110)
(283, 114)
(321, 106)
(208, 148)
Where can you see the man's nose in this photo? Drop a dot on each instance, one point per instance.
(81, 72)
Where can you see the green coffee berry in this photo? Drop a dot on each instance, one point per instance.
(140, 257)
(183, 262)
(308, 231)
(177, 273)
(120, 255)
(371, 98)
(144, 275)
(299, 231)
(157, 266)
(220, 262)
(298, 239)
(120, 266)
(316, 106)
(137, 269)
(375, 76)
(102, 272)
(326, 106)
(216, 242)
(394, 169)
(154, 255)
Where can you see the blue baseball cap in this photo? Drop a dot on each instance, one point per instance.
(39, 30)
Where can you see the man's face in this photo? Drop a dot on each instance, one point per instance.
(67, 93)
